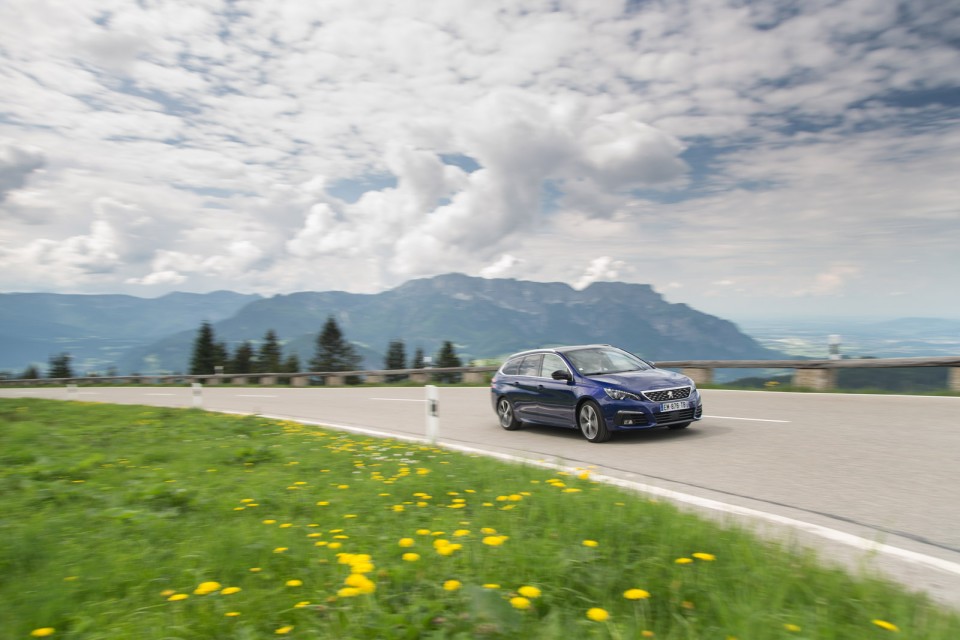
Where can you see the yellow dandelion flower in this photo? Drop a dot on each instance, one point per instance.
(335, 545)
(255, 569)
(519, 602)
(166, 593)
(177, 597)
(301, 605)
(597, 614)
(280, 550)
(294, 583)
(398, 508)
(406, 542)
(42, 632)
(494, 541)
(232, 614)
(646, 633)
(323, 503)
(591, 543)
(707, 557)
(459, 533)
(491, 585)
(282, 631)
(683, 560)
(451, 585)
(792, 627)
(487, 531)
(529, 592)
(348, 592)
(636, 594)
(411, 557)
(889, 626)
(572, 490)
(231, 590)
(206, 588)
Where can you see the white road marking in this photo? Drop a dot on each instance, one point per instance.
(707, 503)
(749, 419)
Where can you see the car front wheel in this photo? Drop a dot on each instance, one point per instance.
(591, 422)
(508, 419)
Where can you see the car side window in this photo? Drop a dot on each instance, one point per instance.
(512, 367)
(552, 362)
(531, 366)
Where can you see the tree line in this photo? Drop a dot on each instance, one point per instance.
(332, 353)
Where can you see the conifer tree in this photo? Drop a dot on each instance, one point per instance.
(60, 366)
(333, 352)
(396, 359)
(417, 359)
(242, 361)
(30, 373)
(269, 360)
(204, 356)
(447, 357)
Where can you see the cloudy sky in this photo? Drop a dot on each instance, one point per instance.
(746, 158)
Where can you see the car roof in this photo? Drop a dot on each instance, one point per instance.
(558, 349)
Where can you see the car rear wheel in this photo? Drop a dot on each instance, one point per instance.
(682, 425)
(591, 422)
(508, 419)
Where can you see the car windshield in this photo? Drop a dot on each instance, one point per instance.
(598, 360)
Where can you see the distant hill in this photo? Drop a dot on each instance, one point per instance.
(484, 318)
(98, 330)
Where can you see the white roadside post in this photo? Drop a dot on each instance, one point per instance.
(197, 394)
(433, 413)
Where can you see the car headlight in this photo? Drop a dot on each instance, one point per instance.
(619, 394)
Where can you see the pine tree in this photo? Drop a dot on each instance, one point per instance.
(60, 366)
(291, 364)
(447, 357)
(333, 352)
(269, 360)
(396, 359)
(417, 359)
(242, 361)
(204, 356)
(30, 373)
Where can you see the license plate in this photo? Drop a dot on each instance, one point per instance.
(674, 406)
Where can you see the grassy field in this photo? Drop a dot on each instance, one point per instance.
(133, 523)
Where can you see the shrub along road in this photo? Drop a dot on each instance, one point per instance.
(843, 473)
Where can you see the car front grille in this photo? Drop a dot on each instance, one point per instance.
(666, 395)
(684, 415)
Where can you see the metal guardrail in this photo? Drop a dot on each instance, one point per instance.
(812, 374)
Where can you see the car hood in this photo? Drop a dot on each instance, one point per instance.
(644, 380)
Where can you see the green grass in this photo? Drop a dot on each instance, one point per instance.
(107, 512)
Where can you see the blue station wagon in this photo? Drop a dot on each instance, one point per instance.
(598, 389)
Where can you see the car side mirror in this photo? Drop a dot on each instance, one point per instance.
(561, 374)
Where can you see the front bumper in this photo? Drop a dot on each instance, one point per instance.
(644, 415)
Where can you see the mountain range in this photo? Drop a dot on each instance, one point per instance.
(484, 318)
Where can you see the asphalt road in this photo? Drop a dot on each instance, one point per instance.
(868, 480)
